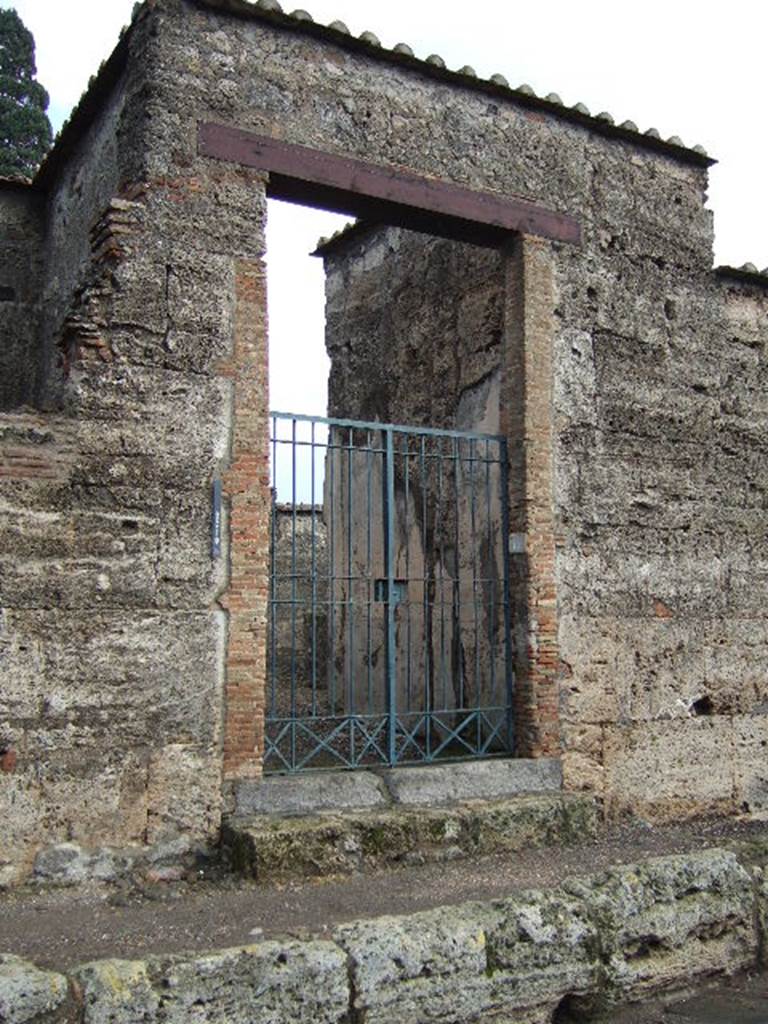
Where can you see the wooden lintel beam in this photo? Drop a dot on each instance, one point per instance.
(385, 194)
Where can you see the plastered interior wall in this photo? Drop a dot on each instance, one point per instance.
(413, 330)
(132, 662)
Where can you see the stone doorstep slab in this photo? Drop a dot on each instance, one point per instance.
(656, 927)
(496, 779)
(420, 786)
(307, 794)
(274, 848)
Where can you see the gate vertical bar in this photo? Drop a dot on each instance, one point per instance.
(371, 597)
(508, 673)
(313, 570)
(350, 603)
(294, 593)
(426, 619)
(389, 558)
(330, 492)
(273, 589)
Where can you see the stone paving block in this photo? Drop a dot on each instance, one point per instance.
(425, 967)
(542, 948)
(473, 962)
(27, 993)
(670, 920)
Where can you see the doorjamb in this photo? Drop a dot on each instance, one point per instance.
(523, 231)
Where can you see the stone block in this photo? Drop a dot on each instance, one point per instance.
(29, 995)
(429, 966)
(761, 916)
(634, 669)
(543, 947)
(497, 779)
(670, 769)
(20, 804)
(750, 762)
(175, 314)
(77, 775)
(89, 796)
(128, 410)
(138, 296)
(307, 794)
(473, 962)
(668, 921)
(582, 757)
(116, 992)
(159, 671)
(68, 864)
(271, 847)
(269, 983)
(183, 793)
(71, 864)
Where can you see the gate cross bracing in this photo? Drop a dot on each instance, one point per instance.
(389, 629)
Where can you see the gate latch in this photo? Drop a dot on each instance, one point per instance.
(399, 591)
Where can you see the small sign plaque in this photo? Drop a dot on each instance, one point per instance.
(216, 519)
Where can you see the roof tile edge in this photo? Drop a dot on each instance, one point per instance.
(747, 273)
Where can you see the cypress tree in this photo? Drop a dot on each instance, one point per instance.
(25, 131)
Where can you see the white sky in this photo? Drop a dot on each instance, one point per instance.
(693, 68)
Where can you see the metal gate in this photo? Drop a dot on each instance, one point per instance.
(389, 627)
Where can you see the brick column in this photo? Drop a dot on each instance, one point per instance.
(526, 419)
(246, 485)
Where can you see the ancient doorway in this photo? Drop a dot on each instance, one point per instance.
(521, 233)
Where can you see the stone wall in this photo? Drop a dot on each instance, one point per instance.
(629, 934)
(661, 562)
(658, 493)
(632, 392)
(112, 642)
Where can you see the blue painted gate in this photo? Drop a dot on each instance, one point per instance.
(389, 628)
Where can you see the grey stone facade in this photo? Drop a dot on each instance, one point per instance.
(651, 531)
(631, 390)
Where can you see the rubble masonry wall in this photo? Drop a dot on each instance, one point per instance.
(133, 662)
(659, 491)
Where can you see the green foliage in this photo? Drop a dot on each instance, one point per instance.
(25, 131)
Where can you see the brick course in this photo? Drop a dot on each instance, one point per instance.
(247, 488)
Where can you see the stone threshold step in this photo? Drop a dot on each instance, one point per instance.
(420, 786)
(272, 848)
